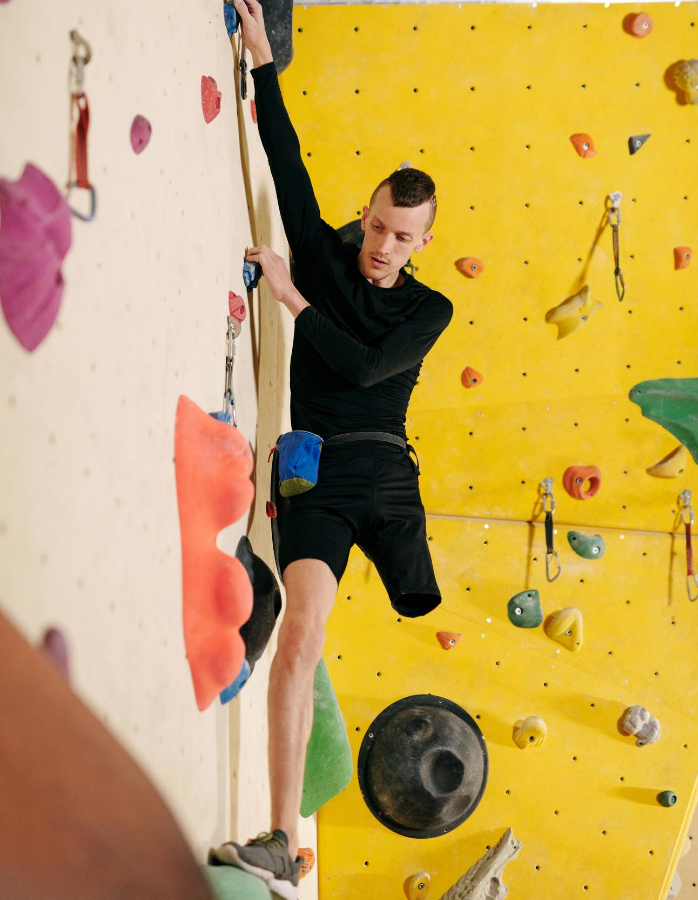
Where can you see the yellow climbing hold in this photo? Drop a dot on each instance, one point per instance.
(566, 627)
(530, 732)
(673, 465)
(572, 313)
(417, 886)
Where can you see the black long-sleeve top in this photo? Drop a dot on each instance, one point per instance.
(358, 348)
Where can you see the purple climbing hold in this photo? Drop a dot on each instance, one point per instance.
(141, 130)
(56, 649)
(35, 236)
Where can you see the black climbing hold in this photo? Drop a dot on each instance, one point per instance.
(635, 142)
(267, 602)
(278, 20)
(423, 766)
(351, 233)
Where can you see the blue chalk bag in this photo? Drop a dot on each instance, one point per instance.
(299, 461)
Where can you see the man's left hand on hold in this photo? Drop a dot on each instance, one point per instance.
(277, 278)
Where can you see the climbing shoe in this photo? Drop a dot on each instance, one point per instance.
(266, 857)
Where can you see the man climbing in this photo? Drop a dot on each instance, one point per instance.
(363, 326)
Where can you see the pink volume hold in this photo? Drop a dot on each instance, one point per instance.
(35, 236)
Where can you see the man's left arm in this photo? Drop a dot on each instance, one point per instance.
(401, 348)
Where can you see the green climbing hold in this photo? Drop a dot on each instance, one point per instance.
(667, 798)
(230, 883)
(524, 609)
(585, 545)
(328, 762)
(672, 403)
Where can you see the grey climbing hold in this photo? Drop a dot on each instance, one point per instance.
(636, 142)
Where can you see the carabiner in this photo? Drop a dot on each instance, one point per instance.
(548, 556)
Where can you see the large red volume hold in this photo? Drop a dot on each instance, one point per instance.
(213, 462)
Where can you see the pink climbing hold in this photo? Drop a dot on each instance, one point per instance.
(35, 236)
(236, 306)
(210, 98)
(141, 130)
(55, 648)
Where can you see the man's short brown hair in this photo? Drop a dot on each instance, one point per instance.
(410, 187)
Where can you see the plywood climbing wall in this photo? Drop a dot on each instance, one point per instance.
(485, 98)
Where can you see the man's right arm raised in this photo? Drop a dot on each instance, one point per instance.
(299, 209)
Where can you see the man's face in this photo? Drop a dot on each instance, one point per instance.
(392, 234)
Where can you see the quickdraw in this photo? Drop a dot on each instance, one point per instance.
(80, 107)
(688, 520)
(227, 414)
(615, 197)
(550, 552)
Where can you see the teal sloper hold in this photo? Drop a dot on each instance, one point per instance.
(585, 545)
(673, 404)
(230, 883)
(328, 762)
(524, 609)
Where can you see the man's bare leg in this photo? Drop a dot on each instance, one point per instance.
(311, 589)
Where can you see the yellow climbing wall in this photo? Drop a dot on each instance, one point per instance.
(485, 97)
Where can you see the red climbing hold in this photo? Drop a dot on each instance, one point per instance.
(271, 510)
(470, 377)
(236, 306)
(210, 98)
(448, 639)
(213, 463)
(253, 110)
(576, 476)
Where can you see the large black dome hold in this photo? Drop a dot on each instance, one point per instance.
(423, 766)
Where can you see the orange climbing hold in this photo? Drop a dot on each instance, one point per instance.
(682, 257)
(210, 98)
(448, 639)
(470, 266)
(213, 462)
(470, 377)
(575, 478)
(639, 25)
(308, 860)
(584, 144)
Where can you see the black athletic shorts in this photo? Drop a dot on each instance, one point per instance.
(374, 503)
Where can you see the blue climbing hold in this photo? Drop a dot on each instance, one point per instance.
(251, 273)
(234, 689)
(232, 20)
